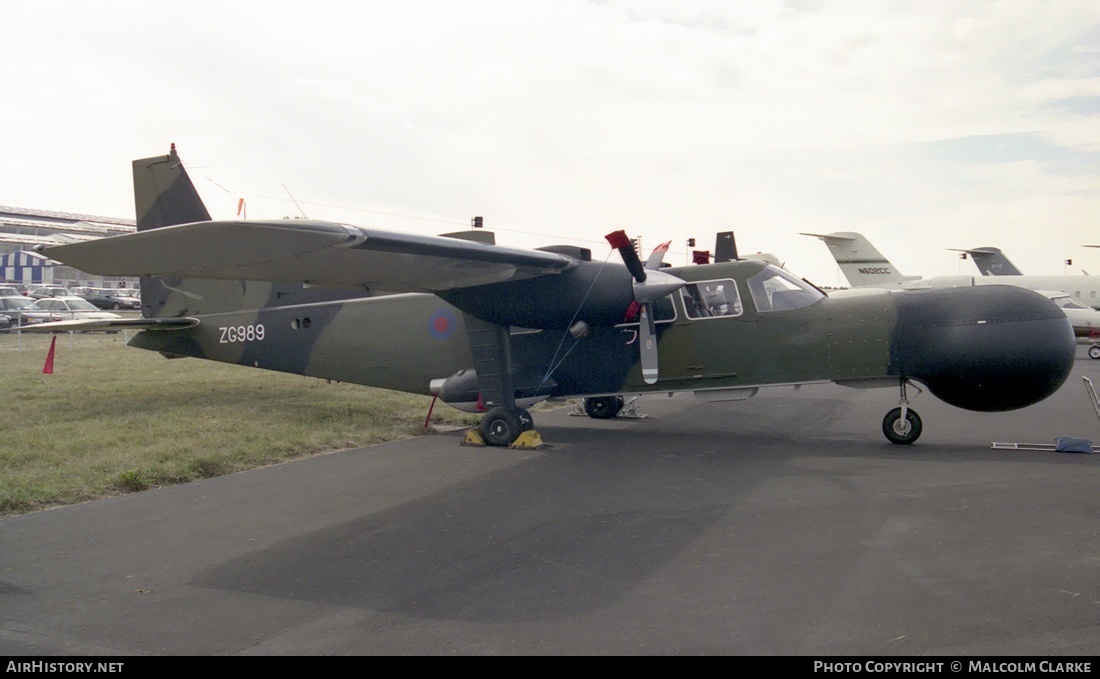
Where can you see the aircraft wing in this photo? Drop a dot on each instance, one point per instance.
(309, 251)
(108, 324)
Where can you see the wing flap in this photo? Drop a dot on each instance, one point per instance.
(314, 252)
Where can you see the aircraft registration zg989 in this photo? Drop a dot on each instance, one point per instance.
(496, 329)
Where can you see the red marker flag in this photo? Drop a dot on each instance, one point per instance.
(48, 368)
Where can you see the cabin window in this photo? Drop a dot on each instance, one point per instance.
(773, 289)
(711, 299)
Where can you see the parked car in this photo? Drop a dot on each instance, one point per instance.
(20, 288)
(112, 298)
(45, 291)
(9, 291)
(75, 308)
(25, 311)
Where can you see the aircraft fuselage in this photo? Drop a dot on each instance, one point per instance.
(405, 341)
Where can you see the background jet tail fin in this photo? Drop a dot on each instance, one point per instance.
(163, 193)
(859, 261)
(990, 261)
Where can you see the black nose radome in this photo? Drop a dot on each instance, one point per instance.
(987, 348)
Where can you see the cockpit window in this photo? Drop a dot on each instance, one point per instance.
(711, 299)
(773, 289)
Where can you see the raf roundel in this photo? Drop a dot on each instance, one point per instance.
(442, 324)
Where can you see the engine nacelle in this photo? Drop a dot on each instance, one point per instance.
(461, 392)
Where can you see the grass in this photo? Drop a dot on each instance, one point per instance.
(113, 419)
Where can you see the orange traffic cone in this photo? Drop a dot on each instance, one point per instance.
(48, 368)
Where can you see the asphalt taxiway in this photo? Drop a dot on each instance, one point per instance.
(785, 524)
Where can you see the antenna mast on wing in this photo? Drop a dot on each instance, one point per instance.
(295, 201)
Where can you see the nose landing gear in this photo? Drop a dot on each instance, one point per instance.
(902, 425)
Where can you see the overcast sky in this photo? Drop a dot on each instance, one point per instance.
(924, 125)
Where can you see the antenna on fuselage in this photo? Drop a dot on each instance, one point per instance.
(295, 201)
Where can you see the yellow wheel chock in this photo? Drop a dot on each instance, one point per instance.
(527, 440)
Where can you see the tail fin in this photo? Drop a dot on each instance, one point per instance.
(725, 247)
(861, 263)
(164, 194)
(991, 262)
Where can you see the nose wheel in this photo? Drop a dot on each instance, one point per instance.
(901, 429)
(902, 425)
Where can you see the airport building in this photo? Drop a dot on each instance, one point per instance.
(21, 229)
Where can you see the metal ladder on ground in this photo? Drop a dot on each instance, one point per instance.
(1091, 391)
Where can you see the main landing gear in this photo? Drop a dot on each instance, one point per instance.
(503, 426)
(902, 425)
(603, 407)
(608, 407)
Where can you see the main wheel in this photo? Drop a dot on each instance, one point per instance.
(602, 407)
(500, 427)
(897, 430)
(1094, 351)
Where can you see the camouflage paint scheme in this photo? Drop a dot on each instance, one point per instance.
(988, 348)
(404, 341)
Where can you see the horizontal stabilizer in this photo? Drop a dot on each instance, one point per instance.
(114, 324)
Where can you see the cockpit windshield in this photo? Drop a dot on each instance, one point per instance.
(1067, 302)
(774, 289)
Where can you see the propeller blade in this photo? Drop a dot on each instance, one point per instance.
(657, 257)
(647, 289)
(621, 242)
(647, 343)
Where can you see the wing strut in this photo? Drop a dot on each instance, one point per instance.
(492, 350)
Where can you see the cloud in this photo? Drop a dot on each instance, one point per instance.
(568, 119)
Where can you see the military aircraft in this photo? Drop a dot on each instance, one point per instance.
(990, 261)
(864, 266)
(495, 329)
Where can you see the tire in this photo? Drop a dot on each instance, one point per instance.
(500, 427)
(116, 306)
(899, 432)
(603, 407)
(1094, 351)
